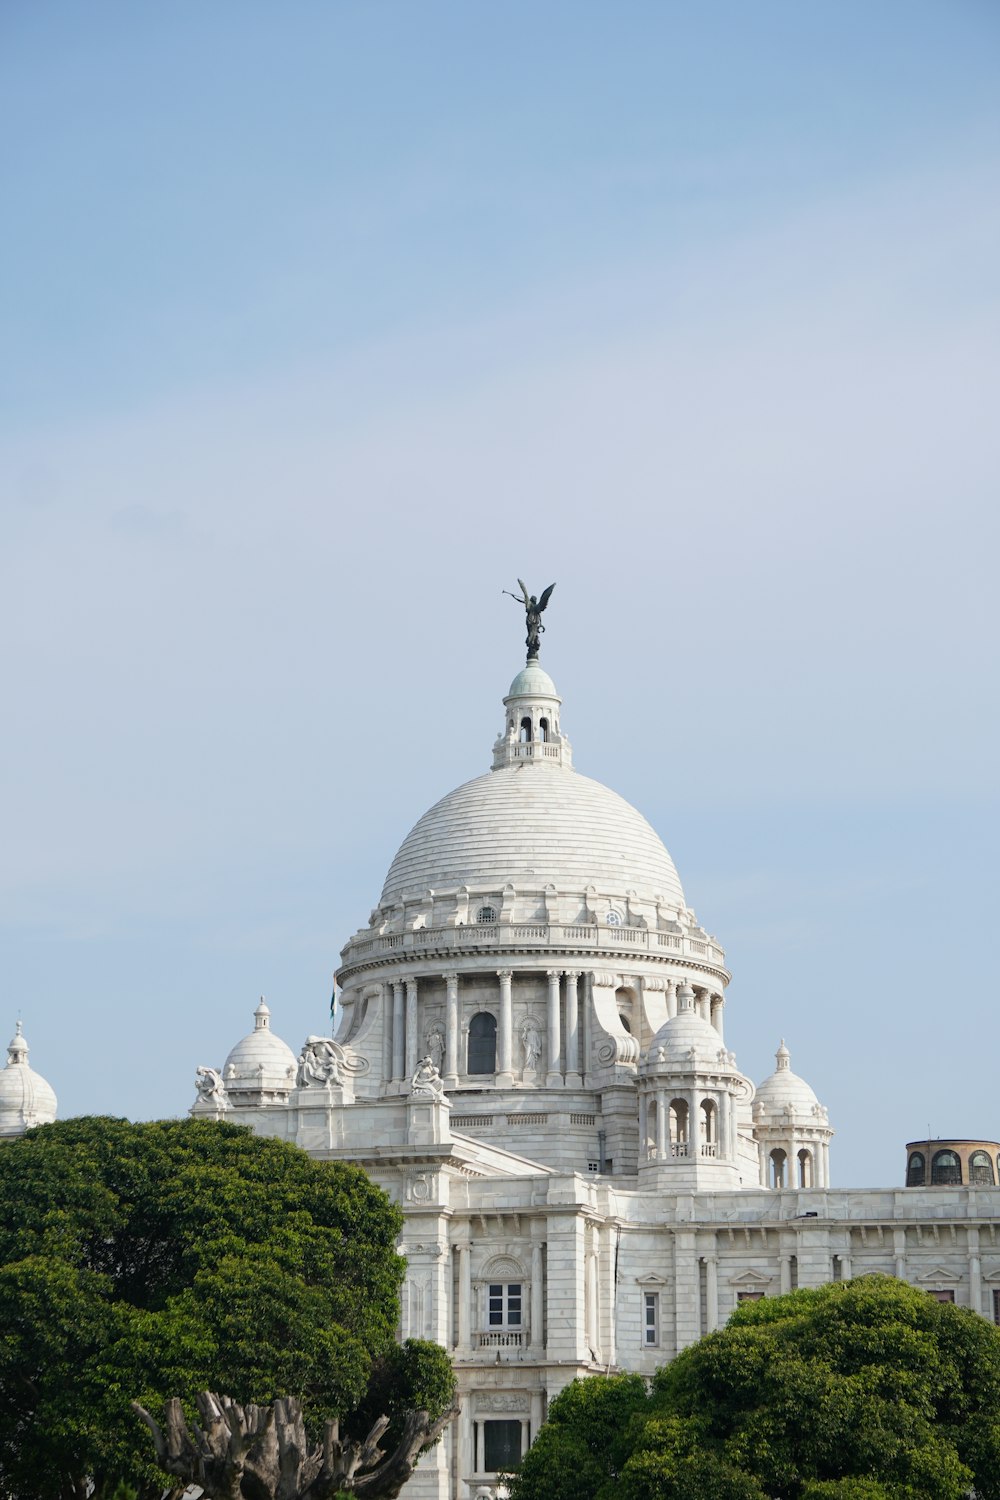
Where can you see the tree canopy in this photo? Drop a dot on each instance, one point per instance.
(142, 1261)
(863, 1390)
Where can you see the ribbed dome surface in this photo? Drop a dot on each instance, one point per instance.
(688, 1038)
(260, 1059)
(785, 1089)
(536, 824)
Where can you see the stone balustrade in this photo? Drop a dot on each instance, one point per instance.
(529, 936)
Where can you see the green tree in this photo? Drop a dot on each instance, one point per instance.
(151, 1260)
(866, 1390)
(584, 1442)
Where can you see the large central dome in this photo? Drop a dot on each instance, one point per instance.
(534, 824)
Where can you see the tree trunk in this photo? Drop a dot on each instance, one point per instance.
(263, 1453)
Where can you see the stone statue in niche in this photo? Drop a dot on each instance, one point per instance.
(319, 1063)
(427, 1079)
(531, 1041)
(211, 1089)
(434, 1041)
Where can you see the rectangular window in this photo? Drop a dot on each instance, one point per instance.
(504, 1309)
(650, 1319)
(501, 1446)
(749, 1296)
(996, 1307)
(943, 1296)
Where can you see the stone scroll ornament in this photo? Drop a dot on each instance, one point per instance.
(533, 615)
(263, 1452)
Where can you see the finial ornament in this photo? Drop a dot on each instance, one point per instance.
(533, 610)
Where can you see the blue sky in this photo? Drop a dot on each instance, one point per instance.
(324, 323)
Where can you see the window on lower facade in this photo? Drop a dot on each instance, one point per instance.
(650, 1319)
(996, 1307)
(505, 1304)
(749, 1296)
(945, 1295)
(501, 1446)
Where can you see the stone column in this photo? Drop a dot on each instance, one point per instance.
(786, 1273)
(611, 1294)
(718, 1011)
(553, 1040)
(537, 1296)
(451, 1033)
(824, 1154)
(536, 1413)
(662, 1120)
(525, 1434)
(643, 1128)
(975, 1271)
(412, 1034)
(573, 1078)
(398, 1055)
(385, 1010)
(505, 1076)
(671, 993)
(593, 1328)
(845, 1267)
(464, 1297)
(762, 1157)
(899, 1253)
(711, 1292)
(704, 1004)
(465, 1459)
(694, 1125)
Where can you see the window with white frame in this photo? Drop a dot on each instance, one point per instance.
(650, 1319)
(503, 1304)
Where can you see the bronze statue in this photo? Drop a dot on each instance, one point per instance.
(533, 609)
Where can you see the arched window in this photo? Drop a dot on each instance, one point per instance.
(980, 1167)
(614, 918)
(678, 1127)
(946, 1168)
(625, 1001)
(805, 1168)
(526, 731)
(483, 1043)
(916, 1169)
(709, 1126)
(649, 1144)
(778, 1161)
(486, 914)
(543, 729)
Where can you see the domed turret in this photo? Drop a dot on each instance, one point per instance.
(25, 1097)
(261, 1067)
(690, 1091)
(791, 1128)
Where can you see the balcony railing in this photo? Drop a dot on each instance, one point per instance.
(531, 935)
(503, 1340)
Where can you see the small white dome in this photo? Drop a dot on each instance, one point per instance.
(25, 1097)
(261, 1060)
(785, 1090)
(533, 682)
(688, 1040)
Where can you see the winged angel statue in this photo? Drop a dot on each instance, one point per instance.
(533, 610)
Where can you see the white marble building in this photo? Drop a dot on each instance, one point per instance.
(530, 1059)
(589, 1181)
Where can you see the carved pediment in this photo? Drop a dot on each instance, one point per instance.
(939, 1274)
(751, 1280)
(651, 1282)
